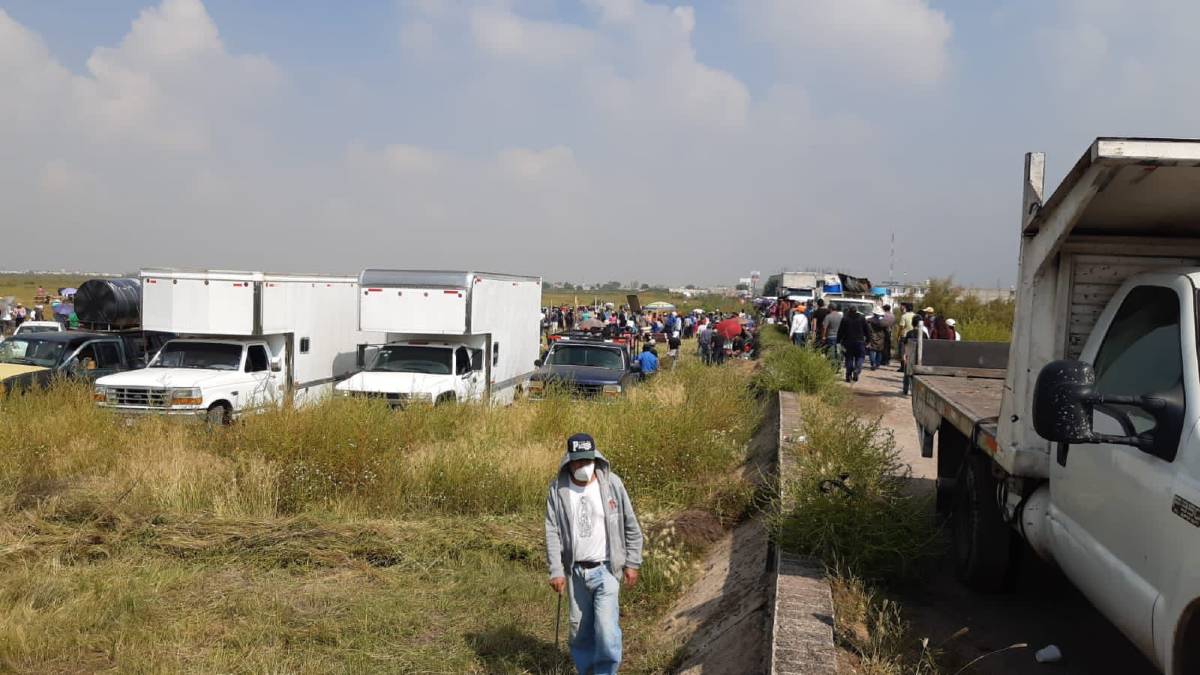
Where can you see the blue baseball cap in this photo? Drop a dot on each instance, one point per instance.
(581, 446)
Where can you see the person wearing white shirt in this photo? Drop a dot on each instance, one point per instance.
(799, 329)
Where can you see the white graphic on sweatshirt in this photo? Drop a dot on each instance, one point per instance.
(589, 533)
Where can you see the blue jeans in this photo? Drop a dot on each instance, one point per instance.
(876, 359)
(595, 614)
(798, 339)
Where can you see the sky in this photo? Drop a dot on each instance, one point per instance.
(585, 141)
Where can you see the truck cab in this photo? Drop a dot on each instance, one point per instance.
(205, 378)
(418, 371)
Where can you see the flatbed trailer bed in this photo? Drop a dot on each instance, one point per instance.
(970, 404)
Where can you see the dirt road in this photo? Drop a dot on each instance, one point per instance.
(1044, 608)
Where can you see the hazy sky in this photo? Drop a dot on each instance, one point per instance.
(583, 140)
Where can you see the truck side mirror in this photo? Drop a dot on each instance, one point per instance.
(1060, 413)
(1065, 394)
(360, 357)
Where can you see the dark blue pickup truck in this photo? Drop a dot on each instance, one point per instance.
(585, 366)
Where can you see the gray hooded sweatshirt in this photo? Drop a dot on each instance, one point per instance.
(624, 532)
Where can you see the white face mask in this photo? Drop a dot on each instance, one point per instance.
(584, 473)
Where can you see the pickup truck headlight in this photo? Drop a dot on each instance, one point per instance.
(612, 389)
(100, 394)
(536, 386)
(189, 396)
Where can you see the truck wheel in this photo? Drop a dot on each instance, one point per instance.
(444, 399)
(218, 415)
(983, 542)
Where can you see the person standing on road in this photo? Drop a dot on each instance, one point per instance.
(889, 326)
(876, 339)
(902, 327)
(852, 336)
(953, 326)
(799, 331)
(592, 539)
(830, 327)
(816, 323)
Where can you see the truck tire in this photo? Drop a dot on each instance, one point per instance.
(218, 415)
(444, 399)
(983, 542)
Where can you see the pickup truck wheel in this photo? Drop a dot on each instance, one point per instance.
(218, 415)
(444, 399)
(983, 542)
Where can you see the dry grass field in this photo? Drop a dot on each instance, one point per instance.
(344, 537)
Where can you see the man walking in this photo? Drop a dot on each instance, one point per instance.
(830, 327)
(799, 329)
(592, 538)
(852, 336)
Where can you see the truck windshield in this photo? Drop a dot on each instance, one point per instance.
(582, 355)
(205, 355)
(409, 359)
(31, 351)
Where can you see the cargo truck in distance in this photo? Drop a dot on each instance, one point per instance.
(244, 341)
(1084, 438)
(447, 336)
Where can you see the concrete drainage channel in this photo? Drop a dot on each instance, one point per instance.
(799, 603)
(754, 609)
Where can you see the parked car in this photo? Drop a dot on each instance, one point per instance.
(586, 367)
(33, 359)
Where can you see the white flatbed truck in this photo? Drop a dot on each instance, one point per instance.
(1083, 437)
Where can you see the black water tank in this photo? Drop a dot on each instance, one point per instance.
(109, 303)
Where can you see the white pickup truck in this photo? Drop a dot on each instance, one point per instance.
(450, 336)
(244, 341)
(211, 379)
(1083, 437)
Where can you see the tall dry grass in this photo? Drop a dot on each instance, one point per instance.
(340, 537)
(361, 456)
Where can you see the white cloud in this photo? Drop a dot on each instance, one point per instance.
(505, 34)
(902, 40)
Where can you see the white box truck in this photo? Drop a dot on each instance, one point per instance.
(449, 336)
(244, 340)
(1083, 437)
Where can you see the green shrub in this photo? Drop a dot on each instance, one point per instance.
(850, 502)
(786, 367)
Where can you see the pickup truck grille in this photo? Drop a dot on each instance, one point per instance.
(585, 389)
(392, 399)
(146, 397)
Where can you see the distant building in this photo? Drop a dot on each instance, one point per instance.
(990, 294)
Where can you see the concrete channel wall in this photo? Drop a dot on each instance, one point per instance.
(799, 603)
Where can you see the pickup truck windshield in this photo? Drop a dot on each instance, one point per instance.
(408, 359)
(205, 355)
(584, 355)
(31, 351)
(23, 330)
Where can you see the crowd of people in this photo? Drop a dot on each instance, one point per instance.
(853, 339)
(719, 335)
